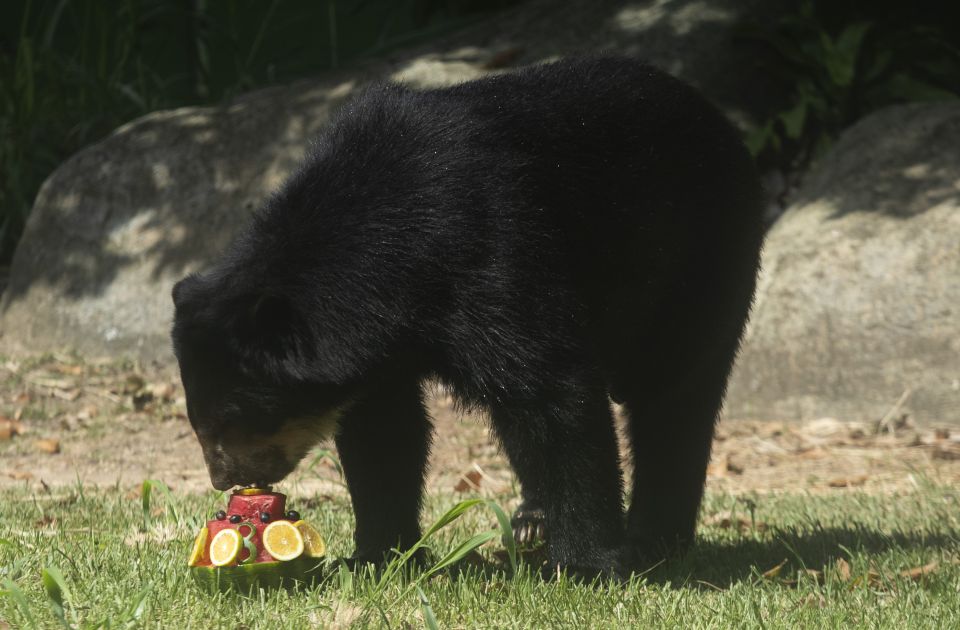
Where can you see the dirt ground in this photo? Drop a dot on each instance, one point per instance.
(64, 421)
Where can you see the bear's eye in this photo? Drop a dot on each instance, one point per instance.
(234, 518)
(221, 515)
(264, 516)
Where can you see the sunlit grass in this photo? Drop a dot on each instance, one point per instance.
(116, 560)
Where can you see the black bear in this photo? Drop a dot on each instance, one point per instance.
(540, 242)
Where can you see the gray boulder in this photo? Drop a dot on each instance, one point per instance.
(858, 307)
(118, 223)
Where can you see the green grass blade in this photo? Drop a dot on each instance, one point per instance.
(506, 538)
(448, 517)
(136, 609)
(451, 515)
(13, 591)
(429, 619)
(57, 591)
(461, 550)
(146, 492)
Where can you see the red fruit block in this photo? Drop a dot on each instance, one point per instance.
(249, 506)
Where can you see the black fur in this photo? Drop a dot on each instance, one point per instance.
(536, 241)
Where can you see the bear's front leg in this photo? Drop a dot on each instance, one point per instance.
(383, 442)
(564, 451)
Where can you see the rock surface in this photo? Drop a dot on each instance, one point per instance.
(117, 224)
(858, 305)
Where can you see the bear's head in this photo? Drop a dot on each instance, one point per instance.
(248, 361)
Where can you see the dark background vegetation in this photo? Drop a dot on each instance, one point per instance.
(73, 70)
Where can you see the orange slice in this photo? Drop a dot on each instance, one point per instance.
(199, 547)
(314, 546)
(283, 540)
(225, 547)
(246, 492)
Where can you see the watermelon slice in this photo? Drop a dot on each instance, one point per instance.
(250, 511)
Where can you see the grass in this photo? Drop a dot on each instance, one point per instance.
(82, 558)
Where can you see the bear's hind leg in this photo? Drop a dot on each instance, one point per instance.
(672, 415)
(564, 452)
(383, 442)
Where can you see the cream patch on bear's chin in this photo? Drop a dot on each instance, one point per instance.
(299, 435)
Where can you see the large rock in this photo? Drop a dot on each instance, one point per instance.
(858, 306)
(118, 223)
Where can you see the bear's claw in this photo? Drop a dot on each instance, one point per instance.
(529, 527)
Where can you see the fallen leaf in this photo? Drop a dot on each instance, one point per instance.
(734, 467)
(10, 428)
(48, 445)
(941, 433)
(20, 475)
(469, 482)
(948, 452)
(843, 569)
(72, 370)
(844, 482)
(918, 572)
(775, 571)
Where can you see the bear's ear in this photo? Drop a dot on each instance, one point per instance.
(270, 323)
(182, 289)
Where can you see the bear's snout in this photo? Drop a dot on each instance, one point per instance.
(244, 465)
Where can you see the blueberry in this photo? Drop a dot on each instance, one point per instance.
(221, 515)
(293, 515)
(264, 516)
(234, 518)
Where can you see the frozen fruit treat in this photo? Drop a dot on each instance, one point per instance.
(256, 543)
